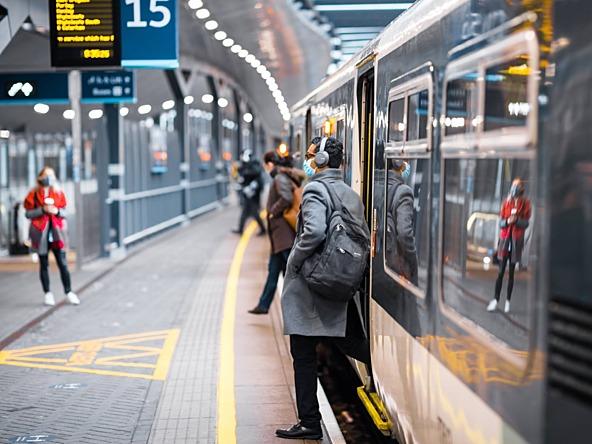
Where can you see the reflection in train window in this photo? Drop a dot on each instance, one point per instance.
(488, 223)
(340, 130)
(461, 104)
(417, 116)
(506, 99)
(406, 236)
(396, 120)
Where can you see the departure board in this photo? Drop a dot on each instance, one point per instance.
(85, 33)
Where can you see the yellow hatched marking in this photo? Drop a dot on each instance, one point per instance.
(86, 356)
(226, 422)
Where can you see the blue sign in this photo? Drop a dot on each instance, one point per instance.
(108, 87)
(31, 88)
(149, 34)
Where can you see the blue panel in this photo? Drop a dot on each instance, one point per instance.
(149, 34)
(31, 88)
(108, 87)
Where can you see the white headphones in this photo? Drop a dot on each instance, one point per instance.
(321, 158)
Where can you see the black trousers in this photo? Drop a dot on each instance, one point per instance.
(303, 351)
(500, 278)
(60, 256)
(250, 209)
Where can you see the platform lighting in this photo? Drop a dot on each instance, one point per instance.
(95, 114)
(144, 109)
(277, 93)
(228, 42)
(4, 134)
(250, 58)
(69, 114)
(265, 75)
(41, 108)
(335, 41)
(207, 98)
(168, 104)
(273, 87)
(335, 54)
(243, 53)
(202, 14)
(188, 100)
(195, 4)
(123, 111)
(248, 117)
(256, 63)
(236, 48)
(211, 25)
(261, 69)
(363, 7)
(222, 102)
(220, 35)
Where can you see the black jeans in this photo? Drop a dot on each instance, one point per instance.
(277, 264)
(250, 209)
(60, 256)
(500, 278)
(303, 351)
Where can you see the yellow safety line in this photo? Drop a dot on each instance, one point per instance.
(226, 422)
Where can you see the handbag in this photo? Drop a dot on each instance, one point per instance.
(291, 214)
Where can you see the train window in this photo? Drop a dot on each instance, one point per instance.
(506, 99)
(461, 104)
(340, 130)
(417, 115)
(488, 224)
(406, 231)
(396, 131)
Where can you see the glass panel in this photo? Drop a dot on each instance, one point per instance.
(461, 104)
(506, 98)
(407, 225)
(417, 116)
(487, 242)
(340, 130)
(396, 121)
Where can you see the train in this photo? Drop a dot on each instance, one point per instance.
(473, 95)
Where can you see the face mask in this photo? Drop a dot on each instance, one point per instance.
(515, 191)
(308, 170)
(45, 181)
(407, 171)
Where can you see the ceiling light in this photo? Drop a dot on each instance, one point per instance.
(363, 7)
(248, 117)
(250, 58)
(95, 114)
(123, 111)
(41, 108)
(220, 35)
(202, 14)
(286, 117)
(271, 81)
(335, 54)
(211, 25)
(228, 42)
(188, 100)
(243, 53)
(236, 48)
(222, 102)
(207, 98)
(265, 75)
(261, 69)
(144, 109)
(273, 87)
(69, 114)
(195, 4)
(169, 104)
(277, 93)
(255, 63)
(336, 41)
(4, 134)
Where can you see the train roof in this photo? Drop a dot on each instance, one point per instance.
(412, 22)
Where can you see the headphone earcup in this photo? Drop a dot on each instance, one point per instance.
(321, 159)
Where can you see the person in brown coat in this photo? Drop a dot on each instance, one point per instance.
(281, 235)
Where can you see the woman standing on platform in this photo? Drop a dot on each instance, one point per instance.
(45, 206)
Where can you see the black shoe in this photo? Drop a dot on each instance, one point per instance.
(298, 431)
(258, 311)
(262, 233)
(237, 232)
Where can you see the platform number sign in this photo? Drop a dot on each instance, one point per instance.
(149, 34)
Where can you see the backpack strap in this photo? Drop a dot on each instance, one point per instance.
(336, 204)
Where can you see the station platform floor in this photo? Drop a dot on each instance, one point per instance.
(161, 349)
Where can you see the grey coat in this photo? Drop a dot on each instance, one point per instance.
(304, 312)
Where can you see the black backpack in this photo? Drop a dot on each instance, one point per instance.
(336, 271)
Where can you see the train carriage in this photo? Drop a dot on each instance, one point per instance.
(473, 95)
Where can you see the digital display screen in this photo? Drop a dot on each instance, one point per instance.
(85, 33)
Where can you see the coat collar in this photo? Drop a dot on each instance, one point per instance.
(329, 174)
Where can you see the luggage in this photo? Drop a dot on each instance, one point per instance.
(337, 271)
(291, 214)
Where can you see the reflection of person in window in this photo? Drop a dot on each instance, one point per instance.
(514, 219)
(401, 252)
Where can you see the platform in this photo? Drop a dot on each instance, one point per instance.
(161, 349)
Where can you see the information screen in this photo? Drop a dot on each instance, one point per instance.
(85, 33)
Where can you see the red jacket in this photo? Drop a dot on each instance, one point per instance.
(40, 220)
(522, 213)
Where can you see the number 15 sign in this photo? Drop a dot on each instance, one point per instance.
(149, 34)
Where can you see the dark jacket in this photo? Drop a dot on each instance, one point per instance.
(304, 312)
(400, 248)
(279, 200)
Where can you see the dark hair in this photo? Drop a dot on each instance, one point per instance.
(335, 149)
(270, 156)
(283, 161)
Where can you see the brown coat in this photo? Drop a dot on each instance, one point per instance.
(279, 200)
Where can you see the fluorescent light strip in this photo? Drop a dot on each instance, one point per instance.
(364, 7)
(361, 36)
(358, 29)
(357, 44)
